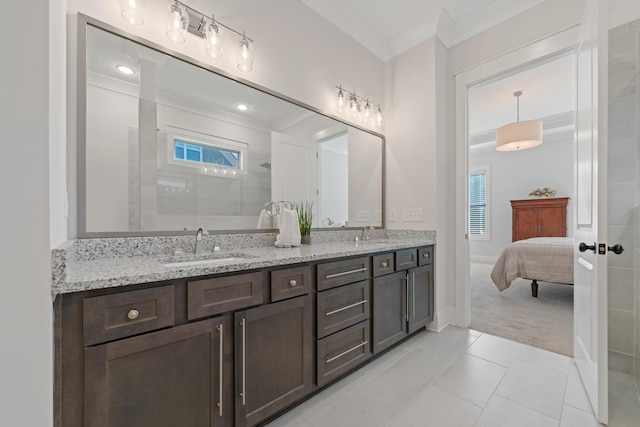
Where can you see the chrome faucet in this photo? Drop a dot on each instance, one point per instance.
(199, 240)
(364, 235)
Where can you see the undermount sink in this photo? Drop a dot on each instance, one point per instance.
(372, 243)
(204, 259)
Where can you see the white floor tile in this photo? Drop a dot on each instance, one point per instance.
(624, 403)
(495, 349)
(576, 395)
(535, 387)
(574, 417)
(472, 379)
(435, 407)
(501, 412)
(546, 359)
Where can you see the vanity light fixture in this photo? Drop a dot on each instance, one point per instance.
(131, 11)
(519, 135)
(182, 18)
(125, 69)
(355, 107)
(177, 22)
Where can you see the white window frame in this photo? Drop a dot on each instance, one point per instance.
(207, 141)
(473, 170)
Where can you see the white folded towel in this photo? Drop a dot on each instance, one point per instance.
(266, 221)
(289, 229)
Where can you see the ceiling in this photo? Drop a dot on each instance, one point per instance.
(388, 28)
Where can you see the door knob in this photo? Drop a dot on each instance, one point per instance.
(583, 247)
(616, 249)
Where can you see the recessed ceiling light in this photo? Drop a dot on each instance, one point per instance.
(125, 69)
(243, 107)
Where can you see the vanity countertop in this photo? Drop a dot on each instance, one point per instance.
(109, 272)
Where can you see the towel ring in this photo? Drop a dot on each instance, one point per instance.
(287, 204)
(271, 208)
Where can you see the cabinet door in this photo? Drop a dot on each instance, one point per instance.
(173, 377)
(420, 297)
(525, 224)
(274, 358)
(389, 310)
(552, 222)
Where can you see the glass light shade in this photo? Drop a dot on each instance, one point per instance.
(177, 22)
(519, 135)
(245, 55)
(379, 117)
(367, 112)
(213, 39)
(131, 11)
(354, 107)
(340, 101)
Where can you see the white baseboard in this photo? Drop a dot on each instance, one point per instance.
(442, 319)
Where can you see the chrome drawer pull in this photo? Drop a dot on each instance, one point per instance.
(425, 255)
(329, 313)
(292, 283)
(133, 314)
(331, 359)
(344, 273)
(384, 264)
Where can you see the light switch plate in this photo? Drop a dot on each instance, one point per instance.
(362, 216)
(392, 215)
(412, 215)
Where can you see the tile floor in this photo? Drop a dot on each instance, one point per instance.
(461, 377)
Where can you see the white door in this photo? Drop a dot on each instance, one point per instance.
(590, 264)
(293, 168)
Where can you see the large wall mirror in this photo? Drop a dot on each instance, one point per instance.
(166, 144)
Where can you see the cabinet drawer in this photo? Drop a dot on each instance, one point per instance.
(341, 307)
(291, 282)
(343, 351)
(383, 264)
(222, 294)
(405, 259)
(425, 255)
(110, 317)
(340, 273)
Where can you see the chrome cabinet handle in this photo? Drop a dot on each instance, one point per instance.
(329, 313)
(384, 264)
(292, 283)
(133, 314)
(425, 255)
(331, 359)
(344, 273)
(244, 361)
(221, 329)
(406, 315)
(413, 300)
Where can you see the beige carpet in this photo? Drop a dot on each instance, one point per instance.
(545, 322)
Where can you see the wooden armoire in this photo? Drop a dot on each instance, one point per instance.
(540, 217)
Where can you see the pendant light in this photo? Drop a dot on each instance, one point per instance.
(519, 135)
(213, 38)
(245, 55)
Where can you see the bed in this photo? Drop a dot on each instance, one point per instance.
(545, 259)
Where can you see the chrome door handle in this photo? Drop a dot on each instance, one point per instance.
(413, 300)
(406, 314)
(244, 361)
(220, 385)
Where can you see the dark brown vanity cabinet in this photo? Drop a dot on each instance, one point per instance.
(403, 300)
(173, 377)
(273, 358)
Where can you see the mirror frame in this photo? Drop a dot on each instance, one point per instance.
(81, 100)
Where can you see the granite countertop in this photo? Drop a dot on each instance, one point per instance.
(88, 274)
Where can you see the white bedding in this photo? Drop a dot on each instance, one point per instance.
(547, 259)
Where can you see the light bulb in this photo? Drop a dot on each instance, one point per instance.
(353, 106)
(367, 112)
(131, 11)
(379, 117)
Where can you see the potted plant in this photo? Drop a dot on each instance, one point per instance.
(305, 218)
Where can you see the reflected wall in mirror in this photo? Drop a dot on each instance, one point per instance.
(173, 146)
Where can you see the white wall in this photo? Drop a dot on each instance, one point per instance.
(26, 358)
(512, 176)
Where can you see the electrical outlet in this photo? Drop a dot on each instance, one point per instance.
(412, 215)
(392, 214)
(362, 216)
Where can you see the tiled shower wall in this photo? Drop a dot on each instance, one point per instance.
(623, 187)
